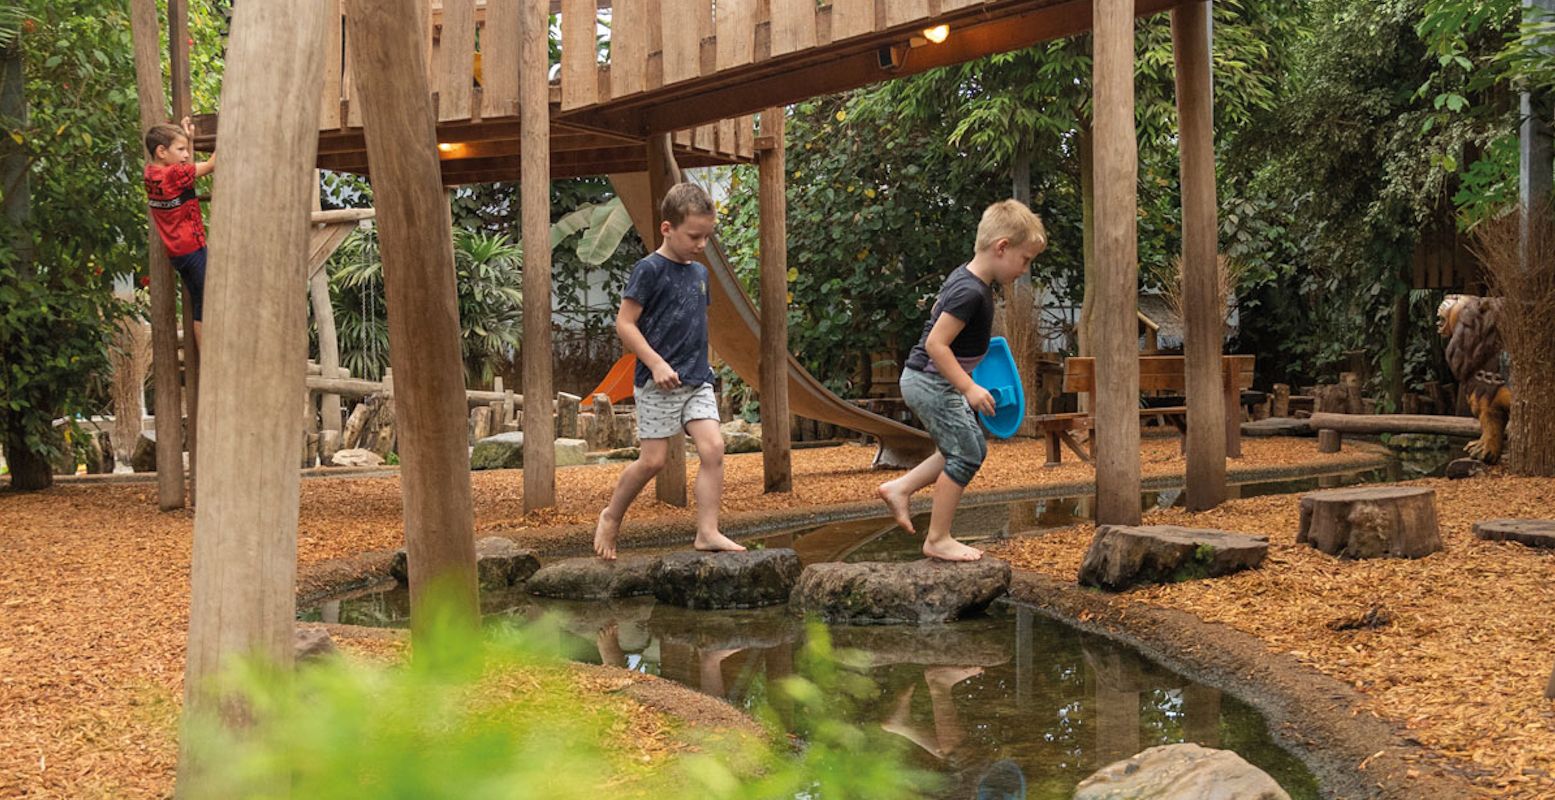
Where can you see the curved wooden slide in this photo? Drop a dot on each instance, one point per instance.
(734, 329)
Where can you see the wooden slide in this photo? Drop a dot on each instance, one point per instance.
(734, 329)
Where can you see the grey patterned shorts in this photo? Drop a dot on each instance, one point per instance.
(662, 414)
(950, 421)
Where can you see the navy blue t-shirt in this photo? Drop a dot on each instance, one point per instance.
(674, 298)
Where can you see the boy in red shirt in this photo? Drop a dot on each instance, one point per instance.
(175, 209)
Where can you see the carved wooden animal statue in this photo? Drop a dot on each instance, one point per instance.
(1474, 354)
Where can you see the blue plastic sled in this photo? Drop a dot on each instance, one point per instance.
(998, 375)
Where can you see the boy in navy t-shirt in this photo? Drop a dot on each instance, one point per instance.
(937, 382)
(663, 321)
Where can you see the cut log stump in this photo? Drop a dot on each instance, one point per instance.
(1371, 522)
(1121, 557)
(1329, 441)
(1530, 532)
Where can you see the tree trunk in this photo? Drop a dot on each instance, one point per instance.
(1398, 340)
(1084, 146)
(29, 470)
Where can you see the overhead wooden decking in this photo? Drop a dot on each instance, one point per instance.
(694, 67)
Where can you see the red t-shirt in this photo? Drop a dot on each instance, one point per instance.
(175, 208)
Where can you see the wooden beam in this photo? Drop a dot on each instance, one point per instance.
(416, 244)
(1214, 406)
(243, 573)
(1372, 424)
(1117, 167)
(146, 32)
(535, 184)
(776, 460)
(663, 172)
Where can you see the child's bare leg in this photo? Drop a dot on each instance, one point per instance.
(709, 442)
(897, 493)
(650, 459)
(939, 543)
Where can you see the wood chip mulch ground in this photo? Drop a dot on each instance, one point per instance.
(1455, 647)
(94, 594)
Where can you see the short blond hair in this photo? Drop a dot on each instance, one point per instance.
(1011, 220)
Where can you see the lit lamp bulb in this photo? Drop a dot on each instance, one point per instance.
(445, 147)
(937, 34)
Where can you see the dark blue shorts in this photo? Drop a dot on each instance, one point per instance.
(191, 267)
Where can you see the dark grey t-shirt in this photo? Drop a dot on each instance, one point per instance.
(965, 297)
(674, 298)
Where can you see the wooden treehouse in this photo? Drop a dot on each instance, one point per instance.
(419, 96)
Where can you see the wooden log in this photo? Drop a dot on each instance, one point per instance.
(1117, 249)
(243, 570)
(1371, 522)
(416, 245)
(567, 415)
(1281, 400)
(1329, 441)
(329, 347)
(776, 456)
(480, 423)
(535, 188)
(146, 34)
(1466, 427)
(1352, 392)
(352, 433)
(670, 485)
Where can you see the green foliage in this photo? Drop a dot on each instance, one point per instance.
(499, 717)
(489, 271)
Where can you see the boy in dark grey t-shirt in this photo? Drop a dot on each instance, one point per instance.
(937, 382)
(663, 321)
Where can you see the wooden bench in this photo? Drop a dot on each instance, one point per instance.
(1156, 374)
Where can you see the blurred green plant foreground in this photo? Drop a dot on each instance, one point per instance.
(497, 715)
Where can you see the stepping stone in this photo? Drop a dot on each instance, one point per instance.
(1181, 772)
(311, 644)
(750, 579)
(1278, 426)
(912, 593)
(595, 579)
(506, 451)
(1371, 522)
(1530, 532)
(499, 563)
(1122, 557)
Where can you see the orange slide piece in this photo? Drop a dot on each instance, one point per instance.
(617, 383)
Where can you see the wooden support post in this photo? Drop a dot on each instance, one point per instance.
(1281, 400)
(415, 231)
(178, 62)
(1117, 251)
(164, 334)
(534, 112)
(670, 486)
(1214, 409)
(329, 341)
(243, 574)
(776, 459)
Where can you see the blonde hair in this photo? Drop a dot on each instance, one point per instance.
(684, 200)
(1013, 221)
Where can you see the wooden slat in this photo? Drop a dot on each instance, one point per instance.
(348, 86)
(628, 48)
(852, 18)
(452, 73)
(952, 5)
(334, 65)
(736, 32)
(683, 22)
(793, 25)
(745, 136)
(683, 138)
(705, 137)
(726, 139)
(580, 70)
(901, 12)
(499, 59)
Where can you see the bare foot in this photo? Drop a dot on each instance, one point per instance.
(946, 677)
(716, 542)
(949, 549)
(605, 532)
(897, 502)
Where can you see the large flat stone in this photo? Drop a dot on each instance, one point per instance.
(503, 451)
(594, 579)
(726, 580)
(499, 563)
(1530, 532)
(1121, 557)
(1180, 772)
(913, 593)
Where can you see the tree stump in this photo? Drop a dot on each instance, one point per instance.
(1371, 522)
(1529, 532)
(1329, 441)
(1281, 400)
